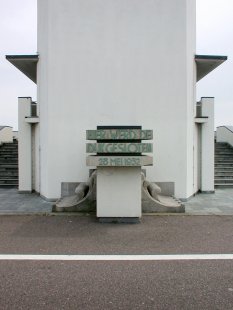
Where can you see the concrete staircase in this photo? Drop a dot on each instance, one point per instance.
(9, 164)
(223, 165)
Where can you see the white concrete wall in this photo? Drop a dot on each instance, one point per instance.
(42, 96)
(225, 134)
(191, 143)
(6, 134)
(108, 62)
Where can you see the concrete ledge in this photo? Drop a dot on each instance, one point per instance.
(24, 192)
(119, 220)
(49, 199)
(207, 192)
(201, 120)
(32, 120)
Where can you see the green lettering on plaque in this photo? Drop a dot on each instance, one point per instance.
(119, 134)
(119, 161)
(119, 148)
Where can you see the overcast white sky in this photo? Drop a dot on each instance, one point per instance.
(214, 37)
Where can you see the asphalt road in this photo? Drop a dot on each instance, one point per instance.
(116, 284)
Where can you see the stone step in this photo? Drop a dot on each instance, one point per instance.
(223, 180)
(9, 147)
(223, 151)
(223, 160)
(8, 156)
(222, 144)
(230, 172)
(224, 177)
(8, 161)
(224, 156)
(222, 163)
(224, 174)
(222, 148)
(224, 169)
(224, 185)
(7, 166)
(8, 181)
(8, 177)
(8, 174)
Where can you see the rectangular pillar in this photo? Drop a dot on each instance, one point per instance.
(119, 192)
(24, 145)
(207, 145)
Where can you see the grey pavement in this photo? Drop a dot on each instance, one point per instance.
(13, 202)
(219, 203)
(126, 285)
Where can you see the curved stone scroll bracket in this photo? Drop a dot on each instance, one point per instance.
(154, 202)
(84, 199)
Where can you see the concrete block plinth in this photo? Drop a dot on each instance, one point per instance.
(118, 192)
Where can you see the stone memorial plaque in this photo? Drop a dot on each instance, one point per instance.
(119, 161)
(119, 134)
(119, 148)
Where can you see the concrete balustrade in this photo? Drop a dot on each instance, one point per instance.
(225, 134)
(6, 134)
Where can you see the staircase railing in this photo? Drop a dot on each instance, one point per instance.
(225, 134)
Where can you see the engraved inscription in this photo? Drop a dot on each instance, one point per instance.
(119, 134)
(119, 148)
(119, 161)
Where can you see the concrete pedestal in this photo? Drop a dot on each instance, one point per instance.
(118, 192)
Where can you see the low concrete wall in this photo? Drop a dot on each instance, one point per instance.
(225, 134)
(6, 134)
(15, 135)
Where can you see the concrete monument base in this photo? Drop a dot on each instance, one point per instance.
(118, 192)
